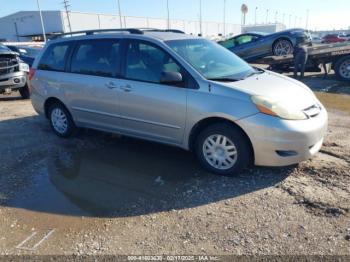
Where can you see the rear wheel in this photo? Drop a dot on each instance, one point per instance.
(24, 91)
(223, 149)
(282, 47)
(61, 121)
(342, 68)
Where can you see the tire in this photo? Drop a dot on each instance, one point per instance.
(234, 156)
(282, 47)
(24, 91)
(61, 121)
(342, 68)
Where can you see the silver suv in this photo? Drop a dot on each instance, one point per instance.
(180, 90)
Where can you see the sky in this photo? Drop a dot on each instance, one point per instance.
(323, 14)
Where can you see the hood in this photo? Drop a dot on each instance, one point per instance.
(277, 87)
(7, 52)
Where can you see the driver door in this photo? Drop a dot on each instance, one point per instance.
(247, 46)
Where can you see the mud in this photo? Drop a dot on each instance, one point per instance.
(104, 194)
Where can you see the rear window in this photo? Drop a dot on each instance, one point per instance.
(97, 57)
(54, 57)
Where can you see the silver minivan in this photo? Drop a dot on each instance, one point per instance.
(180, 90)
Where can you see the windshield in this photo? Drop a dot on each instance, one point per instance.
(29, 51)
(4, 48)
(211, 60)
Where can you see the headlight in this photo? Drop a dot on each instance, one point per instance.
(285, 110)
(23, 67)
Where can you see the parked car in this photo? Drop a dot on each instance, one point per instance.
(316, 39)
(26, 53)
(180, 90)
(344, 36)
(252, 46)
(13, 73)
(329, 39)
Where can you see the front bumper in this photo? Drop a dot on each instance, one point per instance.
(13, 81)
(278, 142)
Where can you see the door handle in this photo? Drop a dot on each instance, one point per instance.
(111, 85)
(126, 88)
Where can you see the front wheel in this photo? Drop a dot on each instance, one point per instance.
(223, 149)
(24, 92)
(61, 121)
(282, 47)
(342, 68)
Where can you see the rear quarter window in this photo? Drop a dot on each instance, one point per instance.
(54, 58)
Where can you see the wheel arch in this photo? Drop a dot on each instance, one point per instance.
(50, 101)
(204, 123)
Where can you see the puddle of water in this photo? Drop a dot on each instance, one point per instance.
(335, 101)
(128, 177)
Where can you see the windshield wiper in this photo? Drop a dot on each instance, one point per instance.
(224, 79)
(257, 71)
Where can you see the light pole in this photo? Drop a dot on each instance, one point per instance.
(200, 17)
(168, 14)
(267, 15)
(290, 21)
(120, 14)
(276, 17)
(224, 17)
(42, 21)
(283, 18)
(256, 9)
(307, 18)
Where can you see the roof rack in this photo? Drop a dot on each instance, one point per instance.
(162, 30)
(138, 31)
(92, 32)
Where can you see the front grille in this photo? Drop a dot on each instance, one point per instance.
(313, 111)
(8, 64)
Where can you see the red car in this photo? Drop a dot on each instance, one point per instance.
(332, 39)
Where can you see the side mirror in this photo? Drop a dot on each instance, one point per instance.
(170, 78)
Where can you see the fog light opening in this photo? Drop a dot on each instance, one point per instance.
(286, 153)
(16, 80)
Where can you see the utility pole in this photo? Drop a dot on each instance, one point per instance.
(200, 17)
(66, 7)
(120, 14)
(41, 20)
(168, 14)
(256, 9)
(224, 17)
(267, 16)
(283, 18)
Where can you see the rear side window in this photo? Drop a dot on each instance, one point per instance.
(96, 57)
(54, 57)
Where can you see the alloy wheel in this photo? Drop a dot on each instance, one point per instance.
(282, 47)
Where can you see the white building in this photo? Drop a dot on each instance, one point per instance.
(26, 26)
(264, 28)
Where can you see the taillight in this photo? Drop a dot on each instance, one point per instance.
(31, 73)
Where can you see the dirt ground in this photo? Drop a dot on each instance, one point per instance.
(103, 194)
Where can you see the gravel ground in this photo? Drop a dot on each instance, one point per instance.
(104, 194)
